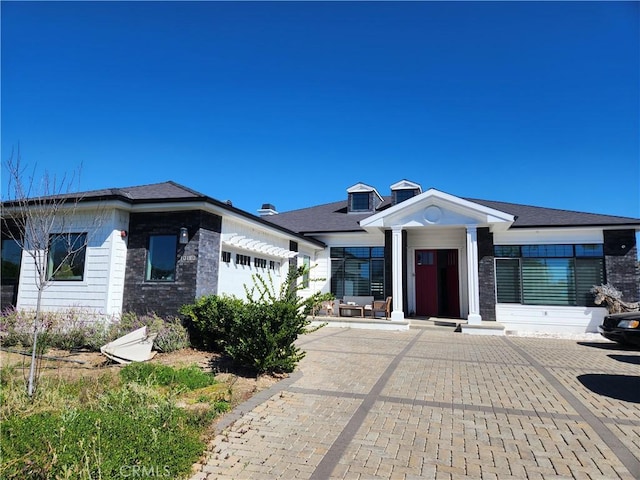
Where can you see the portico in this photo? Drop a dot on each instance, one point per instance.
(434, 253)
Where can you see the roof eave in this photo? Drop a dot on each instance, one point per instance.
(608, 226)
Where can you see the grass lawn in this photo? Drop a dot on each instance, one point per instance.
(99, 421)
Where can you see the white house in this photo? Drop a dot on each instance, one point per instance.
(437, 255)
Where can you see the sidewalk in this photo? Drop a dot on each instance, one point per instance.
(439, 405)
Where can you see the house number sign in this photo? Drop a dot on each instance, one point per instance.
(188, 258)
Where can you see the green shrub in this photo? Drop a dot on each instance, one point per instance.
(259, 333)
(171, 336)
(263, 336)
(210, 319)
(68, 329)
(75, 328)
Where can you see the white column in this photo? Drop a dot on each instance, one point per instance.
(396, 272)
(474, 317)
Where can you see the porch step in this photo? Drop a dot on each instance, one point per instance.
(451, 324)
(484, 328)
(358, 322)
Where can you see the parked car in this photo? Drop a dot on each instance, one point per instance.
(623, 328)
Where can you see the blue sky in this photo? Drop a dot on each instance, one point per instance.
(293, 102)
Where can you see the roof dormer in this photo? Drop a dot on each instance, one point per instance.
(404, 190)
(363, 199)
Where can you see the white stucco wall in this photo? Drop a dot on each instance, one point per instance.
(233, 277)
(531, 236)
(549, 319)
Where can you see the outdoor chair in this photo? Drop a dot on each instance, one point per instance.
(382, 306)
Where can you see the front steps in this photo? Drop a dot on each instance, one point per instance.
(430, 323)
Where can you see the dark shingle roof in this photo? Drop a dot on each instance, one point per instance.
(169, 192)
(165, 191)
(330, 217)
(333, 217)
(530, 216)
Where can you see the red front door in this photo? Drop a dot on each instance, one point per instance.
(437, 290)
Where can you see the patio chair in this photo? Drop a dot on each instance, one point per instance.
(327, 306)
(382, 306)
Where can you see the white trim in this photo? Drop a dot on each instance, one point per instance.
(405, 185)
(396, 273)
(451, 210)
(364, 188)
(241, 242)
(474, 317)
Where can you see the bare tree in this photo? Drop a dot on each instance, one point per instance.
(37, 213)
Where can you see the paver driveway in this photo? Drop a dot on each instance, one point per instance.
(440, 405)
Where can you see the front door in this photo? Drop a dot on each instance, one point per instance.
(437, 289)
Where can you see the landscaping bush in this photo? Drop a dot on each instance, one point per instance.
(68, 329)
(171, 334)
(209, 320)
(263, 335)
(259, 333)
(75, 328)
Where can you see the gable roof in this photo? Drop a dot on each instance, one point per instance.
(333, 217)
(429, 206)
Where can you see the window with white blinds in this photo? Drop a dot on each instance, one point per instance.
(548, 274)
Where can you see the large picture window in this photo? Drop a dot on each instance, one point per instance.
(66, 258)
(161, 260)
(357, 271)
(548, 274)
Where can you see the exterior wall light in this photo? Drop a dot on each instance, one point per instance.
(183, 239)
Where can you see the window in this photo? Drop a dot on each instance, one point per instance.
(66, 259)
(357, 271)
(548, 274)
(11, 255)
(260, 262)
(226, 257)
(306, 263)
(402, 195)
(508, 282)
(161, 259)
(360, 202)
(243, 259)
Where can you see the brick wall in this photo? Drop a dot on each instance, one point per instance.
(196, 262)
(621, 253)
(208, 254)
(486, 275)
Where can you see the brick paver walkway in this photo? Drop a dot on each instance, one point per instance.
(439, 405)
